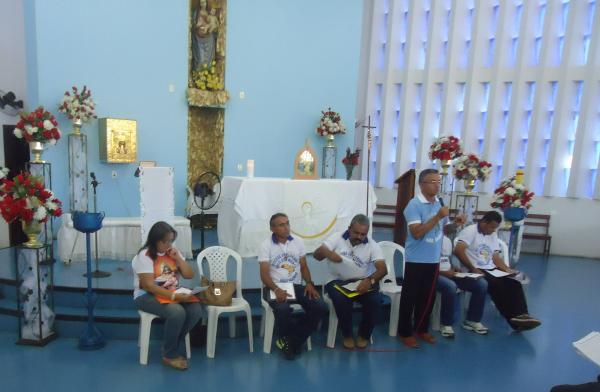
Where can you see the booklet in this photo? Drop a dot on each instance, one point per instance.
(349, 289)
(469, 275)
(497, 273)
(288, 287)
(194, 291)
(589, 347)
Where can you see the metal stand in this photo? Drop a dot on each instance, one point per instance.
(468, 205)
(92, 338)
(35, 295)
(97, 273)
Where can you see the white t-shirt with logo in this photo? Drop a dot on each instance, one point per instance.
(142, 264)
(480, 247)
(284, 259)
(358, 261)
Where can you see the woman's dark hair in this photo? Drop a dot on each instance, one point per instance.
(158, 232)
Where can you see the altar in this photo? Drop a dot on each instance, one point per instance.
(316, 209)
(119, 239)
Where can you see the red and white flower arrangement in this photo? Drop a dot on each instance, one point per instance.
(470, 167)
(25, 198)
(510, 193)
(350, 161)
(330, 123)
(445, 148)
(38, 126)
(78, 105)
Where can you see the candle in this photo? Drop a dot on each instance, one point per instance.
(250, 168)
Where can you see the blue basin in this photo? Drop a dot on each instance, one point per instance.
(87, 222)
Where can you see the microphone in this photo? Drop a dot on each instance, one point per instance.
(441, 200)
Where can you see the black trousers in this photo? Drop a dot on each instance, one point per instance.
(507, 295)
(418, 296)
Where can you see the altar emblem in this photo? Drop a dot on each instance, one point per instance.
(117, 140)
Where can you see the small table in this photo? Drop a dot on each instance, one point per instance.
(119, 239)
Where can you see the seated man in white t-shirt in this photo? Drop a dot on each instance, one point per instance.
(478, 249)
(282, 259)
(353, 256)
(447, 284)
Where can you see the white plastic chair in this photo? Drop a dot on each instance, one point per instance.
(388, 285)
(217, 257)
(267, 324)
(144, 337)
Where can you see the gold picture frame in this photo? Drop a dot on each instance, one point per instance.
(117, 140)
(306, 163)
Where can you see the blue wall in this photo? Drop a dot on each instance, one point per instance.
(291, 58)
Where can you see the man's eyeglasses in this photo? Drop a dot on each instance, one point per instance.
(435, 182)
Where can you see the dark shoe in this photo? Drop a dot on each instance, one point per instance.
(426, 336)
(175, 363)
(524, 322)
(409, 341)
(286, 348)
(348, 343)
(361, 342)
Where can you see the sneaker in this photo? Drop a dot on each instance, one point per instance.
(476, 327)
(447, 331)
(348, 343)
(426, 336)
(286, 347)
(524, 322)
(409, 341)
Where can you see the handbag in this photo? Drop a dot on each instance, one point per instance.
(218, 293)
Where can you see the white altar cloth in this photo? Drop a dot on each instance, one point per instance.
(316, 209)
(119, 239)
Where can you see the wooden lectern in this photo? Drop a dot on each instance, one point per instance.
(406, 191)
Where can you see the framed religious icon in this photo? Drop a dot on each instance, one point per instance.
(117, 140)
(306, 163)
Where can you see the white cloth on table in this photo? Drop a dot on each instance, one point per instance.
(118, 239)
(316, 209)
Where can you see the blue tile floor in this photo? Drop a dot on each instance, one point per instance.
(564, 294)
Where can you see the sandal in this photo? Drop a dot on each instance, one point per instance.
(176, 363)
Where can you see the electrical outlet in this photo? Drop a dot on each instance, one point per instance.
(114, 174)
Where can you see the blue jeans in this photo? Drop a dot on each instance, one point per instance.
(179, 318)
(297, 330)
(447, 288)
(371, 309)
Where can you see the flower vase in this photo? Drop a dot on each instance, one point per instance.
(32, 230)
(349, 169)
(77, 123)
(445, 164)
(469, 185)
(36, 148)
(329, 158)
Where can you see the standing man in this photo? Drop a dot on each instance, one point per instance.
(425, 217)
(478, 248)
(282, 259)
(354, 257)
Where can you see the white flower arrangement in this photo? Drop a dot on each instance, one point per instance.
(78, 106)
(510, 193)
(330, 124)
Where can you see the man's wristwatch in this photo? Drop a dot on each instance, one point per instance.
(373, 281)
(309, 282)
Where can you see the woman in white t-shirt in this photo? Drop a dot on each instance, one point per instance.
(156, 272)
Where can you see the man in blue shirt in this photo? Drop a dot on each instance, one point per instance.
(425, 217)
